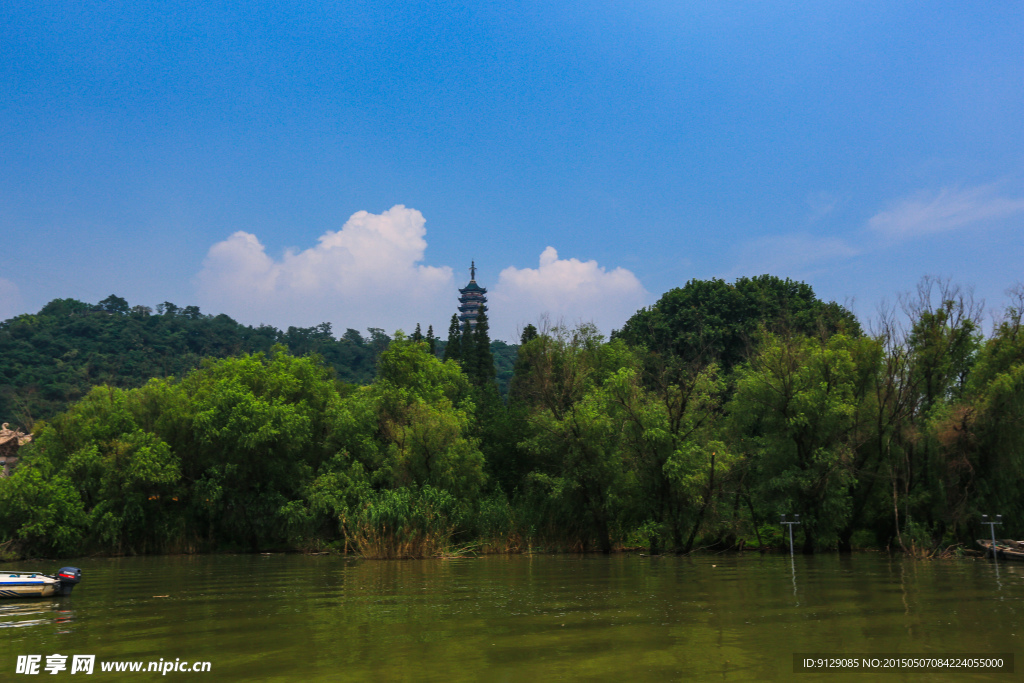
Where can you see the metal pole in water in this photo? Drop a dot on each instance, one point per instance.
(792, 563)
(782, 520)
(992, 527)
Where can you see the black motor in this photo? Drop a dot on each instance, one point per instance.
(69, 577)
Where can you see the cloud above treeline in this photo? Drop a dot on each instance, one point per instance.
(566, 290)
(370, 274)
(918, 216)
(794, 255)
(948, 209)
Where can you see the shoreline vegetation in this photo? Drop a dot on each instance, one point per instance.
(955, 552)
(692, 428)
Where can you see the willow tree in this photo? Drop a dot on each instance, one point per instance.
(980, 436)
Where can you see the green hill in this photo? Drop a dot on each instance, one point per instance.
(52, 358)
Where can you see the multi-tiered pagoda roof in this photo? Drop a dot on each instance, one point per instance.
(471, 298)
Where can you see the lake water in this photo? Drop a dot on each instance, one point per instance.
(515, 618)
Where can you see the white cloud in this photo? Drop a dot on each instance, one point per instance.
(369, 274)
(10, 299)
(366, 274)
(567, 289)
(821, 204)
(795, 256)
(948, 209)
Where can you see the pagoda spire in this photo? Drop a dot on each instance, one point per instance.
(472, 271)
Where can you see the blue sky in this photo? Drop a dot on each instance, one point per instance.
(293, 163)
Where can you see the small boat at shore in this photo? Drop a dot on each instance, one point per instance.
(1005, 549)
(37, 584)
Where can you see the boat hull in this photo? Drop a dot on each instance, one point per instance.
(37, 584)
(1005, 550)
(28, 585)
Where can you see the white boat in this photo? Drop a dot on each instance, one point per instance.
(37, 584)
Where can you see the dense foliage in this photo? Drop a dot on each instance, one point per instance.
(54, 357)
(693, 427)
(711, 321)
(259, 451)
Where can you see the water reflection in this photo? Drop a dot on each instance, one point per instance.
(792, 565)
(34, 612)
(284, 617)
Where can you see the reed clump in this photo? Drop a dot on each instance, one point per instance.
(406, 524)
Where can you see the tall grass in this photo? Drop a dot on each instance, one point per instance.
(403, 524)
(499, 526)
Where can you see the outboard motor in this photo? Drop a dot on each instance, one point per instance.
(69, 577)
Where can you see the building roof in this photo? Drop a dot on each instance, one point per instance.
(11, 439)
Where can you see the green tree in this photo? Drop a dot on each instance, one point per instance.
(453, 349)
(796, 407)
(431, 341)
(40, 515)
(424, 413)
(669, 437)
(479, 364)
(710, 321)
(114, 304)
(578, 475)
(467, 349)
(979, 436)
(940, 349)
(212, 461)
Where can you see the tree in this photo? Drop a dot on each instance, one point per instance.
(467, 348)
(453, 349)
(979, 434)
(114, 304)
(711, 321)
(481, 363)
(669, 435)
(940, 346)
(585, 489)
(571, 440)
(167, 308)
(424, 412)
(40, 515)
(214, 460)
(431, 340)
(944, 339)
(65, 307)
(796, 407)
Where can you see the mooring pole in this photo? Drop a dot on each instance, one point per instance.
(992, 527)
(782, 520)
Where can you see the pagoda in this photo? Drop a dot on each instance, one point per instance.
(473, 296)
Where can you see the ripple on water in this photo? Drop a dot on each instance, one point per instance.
(282, 617)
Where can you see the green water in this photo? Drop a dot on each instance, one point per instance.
(625, 617)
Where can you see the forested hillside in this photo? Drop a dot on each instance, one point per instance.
(52, 358)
